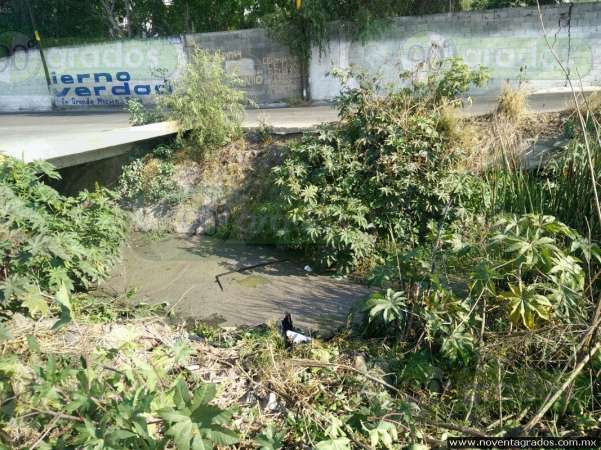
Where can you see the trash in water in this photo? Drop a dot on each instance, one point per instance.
(308, 269)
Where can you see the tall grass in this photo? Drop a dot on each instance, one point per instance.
(562, 187)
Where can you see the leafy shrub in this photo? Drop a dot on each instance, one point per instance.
(388, 167)
(205, 102)
(103, 405)
(150, 179)
(51, 244)
(559, 187)
(140, 115)
(527, 271)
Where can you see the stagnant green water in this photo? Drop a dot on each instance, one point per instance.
(181, 270)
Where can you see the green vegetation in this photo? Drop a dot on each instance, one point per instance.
(51, 245)
(560, 188)
(72, 22)
(467, 264)
(205, 101)
(387, 169)
(140, 115)
(483, 319)
(123, 394)
(149, 179)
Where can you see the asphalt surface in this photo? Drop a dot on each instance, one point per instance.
(26, 126)
(70, 138)
(17, 128)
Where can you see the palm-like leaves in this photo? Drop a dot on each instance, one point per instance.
(48, 241)
(548, 279)
(390, 306)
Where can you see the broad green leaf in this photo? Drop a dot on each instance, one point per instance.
(62, 298)
(181, 394)
(33, 344)
(121, 435)
(35, 302)
(173, 416)
(220, 435)
(334, 444)
(4, 333)
(270, 439)
(198, 443)
(206, 415)
(204, 394)
(182, 433)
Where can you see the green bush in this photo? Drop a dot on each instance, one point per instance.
(149, 179)
(140, 115)
(481, 306)
(102, 404)
(388, 167)
(530, 269)
(205, 102)
(560, 187)
(51, 244)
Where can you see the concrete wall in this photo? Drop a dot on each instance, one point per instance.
(91, 76)
(269, 73)
(22, 82)
(106, 75)
(508, 41)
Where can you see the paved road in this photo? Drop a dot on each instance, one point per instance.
(27, 126)
(18, 128)
(54, 135)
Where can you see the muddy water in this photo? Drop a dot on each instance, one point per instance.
(181, 270)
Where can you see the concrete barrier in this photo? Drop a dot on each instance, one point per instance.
(508, 41)
(270, 74)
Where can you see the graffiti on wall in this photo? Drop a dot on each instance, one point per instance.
(111, 74)
(272, 76)
(103, 88)
(268, 72)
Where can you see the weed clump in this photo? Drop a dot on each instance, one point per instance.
(51, 245)
(205, 103)
(389, 167)
(512, 104)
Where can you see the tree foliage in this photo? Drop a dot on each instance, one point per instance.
(72, 21)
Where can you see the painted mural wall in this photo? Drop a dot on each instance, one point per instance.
(107, 75)
(508, 41)
(92, 76)
(22, 82)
